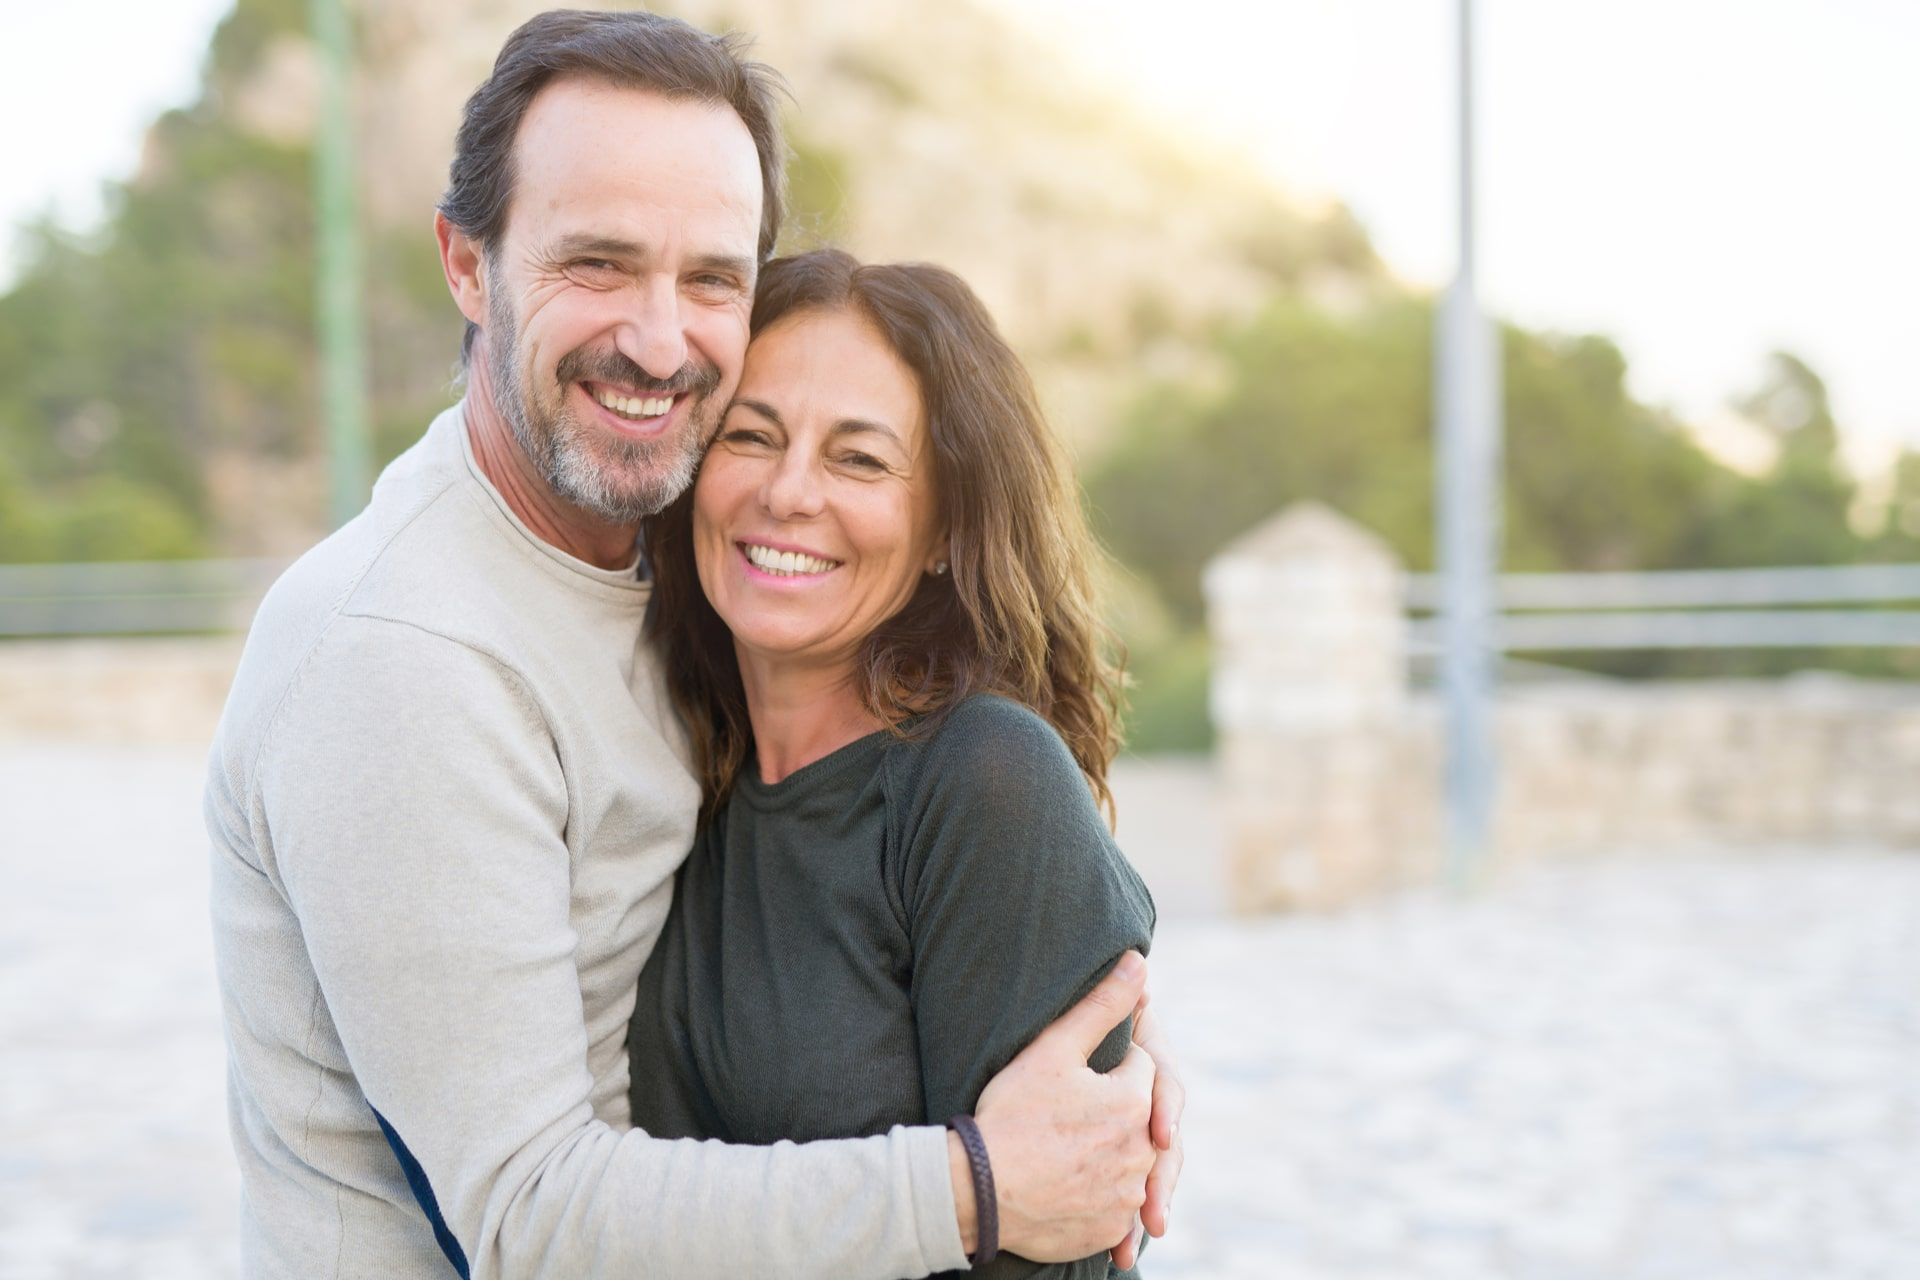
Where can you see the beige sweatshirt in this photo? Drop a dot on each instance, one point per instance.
(446, 803)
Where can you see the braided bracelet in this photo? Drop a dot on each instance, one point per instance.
(986, 1205)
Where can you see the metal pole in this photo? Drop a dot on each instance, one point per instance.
(1467, 499)
(338, 317)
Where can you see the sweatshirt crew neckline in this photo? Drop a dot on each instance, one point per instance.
(625, 579)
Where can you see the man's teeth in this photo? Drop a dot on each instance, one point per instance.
(634, 406)
(776, 562)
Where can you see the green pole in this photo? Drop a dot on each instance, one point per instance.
(339, 322)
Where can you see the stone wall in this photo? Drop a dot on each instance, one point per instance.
(1331, 763)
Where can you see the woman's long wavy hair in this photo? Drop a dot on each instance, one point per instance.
(1015, 617)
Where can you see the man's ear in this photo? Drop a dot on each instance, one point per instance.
(464, 262)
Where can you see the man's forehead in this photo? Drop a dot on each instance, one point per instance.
(593, 157)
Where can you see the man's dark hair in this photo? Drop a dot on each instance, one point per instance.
(632, 51)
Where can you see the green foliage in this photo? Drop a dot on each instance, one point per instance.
(817, 181)
(97, 521)
(1312, 406)
(1167, 705)
(1315, 406)
(183, 331)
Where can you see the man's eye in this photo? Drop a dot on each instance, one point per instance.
(595, 264)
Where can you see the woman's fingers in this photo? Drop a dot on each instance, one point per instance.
(1161, 1181)
(1169, 1095)
(1127, 1253)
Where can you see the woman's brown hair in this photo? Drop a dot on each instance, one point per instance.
(1015, 617)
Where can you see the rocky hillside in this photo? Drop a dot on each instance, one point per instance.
(925, 129)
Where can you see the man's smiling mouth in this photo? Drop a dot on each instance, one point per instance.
(633, 408)
(771, 560)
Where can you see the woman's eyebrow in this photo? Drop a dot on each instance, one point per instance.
(760, 407)
(849, 426)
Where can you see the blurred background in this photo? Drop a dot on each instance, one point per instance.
(1660, 1020)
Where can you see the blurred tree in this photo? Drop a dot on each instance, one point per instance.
(1316, 406)
(1796, 514)
(1311, 405)
(1337, 409)
(184, 327)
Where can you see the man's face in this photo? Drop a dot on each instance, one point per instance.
(618, 297)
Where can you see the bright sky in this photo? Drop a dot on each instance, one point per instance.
(79, 83)
(1704, 180)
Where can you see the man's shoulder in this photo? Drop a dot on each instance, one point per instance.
(400, 573)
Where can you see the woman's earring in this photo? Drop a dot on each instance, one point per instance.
(939, 567)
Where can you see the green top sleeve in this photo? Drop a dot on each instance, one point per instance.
(1017, 902)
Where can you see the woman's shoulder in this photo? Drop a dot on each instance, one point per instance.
(987, 744)
(990, 813)
(991, 773)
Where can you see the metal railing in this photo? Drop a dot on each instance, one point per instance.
(1692, 609)
(133, 597)
(1679, 609)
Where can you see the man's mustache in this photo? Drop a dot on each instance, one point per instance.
(696, 377)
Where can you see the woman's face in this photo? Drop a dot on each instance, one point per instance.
(814, 514)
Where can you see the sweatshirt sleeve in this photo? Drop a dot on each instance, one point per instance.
(416, 807)
(1018, 902)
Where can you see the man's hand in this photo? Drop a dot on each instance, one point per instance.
(1169, 1101)
(1069, 1146)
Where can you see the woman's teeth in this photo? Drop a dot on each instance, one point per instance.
(633, 406)
(786, 563)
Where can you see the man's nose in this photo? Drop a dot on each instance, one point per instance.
(652, 336)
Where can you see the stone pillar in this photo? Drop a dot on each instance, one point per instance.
(1309, 701)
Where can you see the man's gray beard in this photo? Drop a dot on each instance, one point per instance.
(643, 476)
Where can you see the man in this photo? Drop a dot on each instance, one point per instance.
(447, 798)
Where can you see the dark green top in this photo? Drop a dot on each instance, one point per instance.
(865, 943)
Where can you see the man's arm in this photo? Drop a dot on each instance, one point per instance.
(416, 806)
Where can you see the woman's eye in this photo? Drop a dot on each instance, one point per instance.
(866, 462)
(744, 436)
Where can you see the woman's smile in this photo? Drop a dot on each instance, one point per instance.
(784, 564)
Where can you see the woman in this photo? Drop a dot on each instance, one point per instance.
(874, 605)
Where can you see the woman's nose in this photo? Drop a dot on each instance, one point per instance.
(793, 490)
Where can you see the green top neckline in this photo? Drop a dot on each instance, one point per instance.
(771, 796)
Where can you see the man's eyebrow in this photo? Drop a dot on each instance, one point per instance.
(585, 242)
(741, 265)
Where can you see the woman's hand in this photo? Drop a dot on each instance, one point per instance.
(1169, 1102)
(1069, 1146)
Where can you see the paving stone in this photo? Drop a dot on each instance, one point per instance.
(1634, 1066)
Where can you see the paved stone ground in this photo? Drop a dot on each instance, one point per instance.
(1685, 1067)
